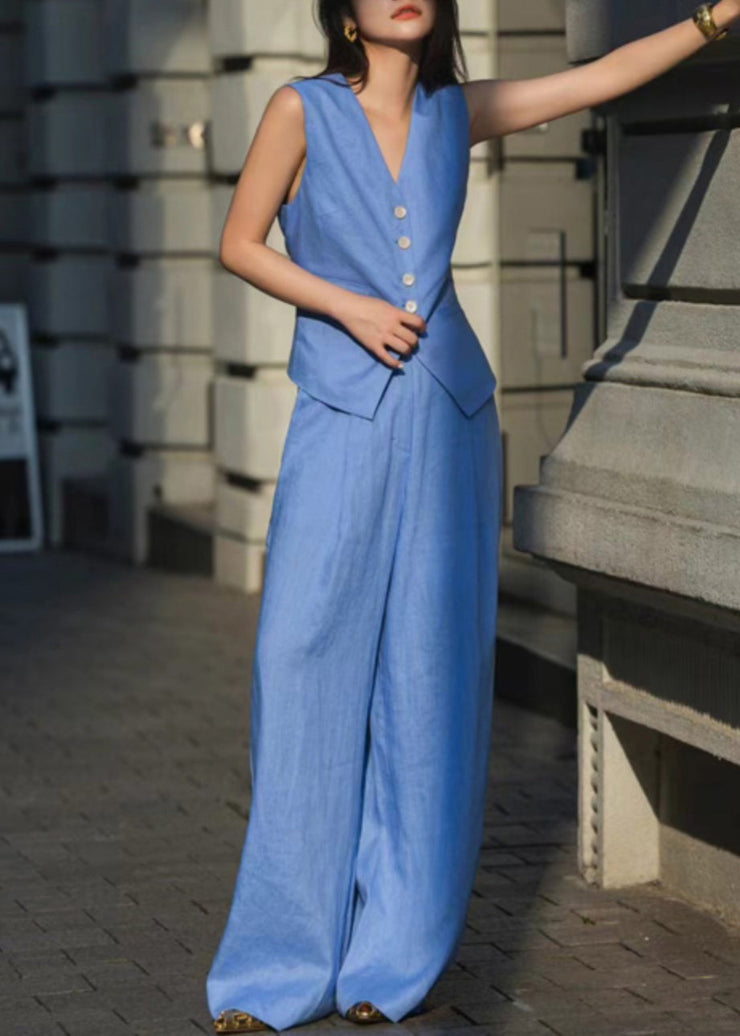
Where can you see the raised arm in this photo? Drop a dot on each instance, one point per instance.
(501, 106)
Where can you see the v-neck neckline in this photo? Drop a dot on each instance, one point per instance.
(396, 183)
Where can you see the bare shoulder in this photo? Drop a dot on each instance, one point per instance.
(285, 105)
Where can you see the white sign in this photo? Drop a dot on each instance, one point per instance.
(21, 518)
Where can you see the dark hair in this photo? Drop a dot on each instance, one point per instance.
(442, 57)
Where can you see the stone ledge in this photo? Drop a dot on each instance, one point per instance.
(675, 555)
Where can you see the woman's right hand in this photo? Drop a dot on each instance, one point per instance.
(379, 325)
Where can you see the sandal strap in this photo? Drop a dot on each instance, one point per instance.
(234, 1020)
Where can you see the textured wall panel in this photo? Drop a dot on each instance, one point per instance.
(249, 326)
(69, 296)
(476, 292)
(241, 27)
(158, 38)
(244, 512)
(531, 15)
(546, 324)
(477, 16)
(161, 400)
(163, 218)
(12, 95)
(546, 213)
(13, 217)
(158, 128)
(70, 216)
(67, 133)
(475, 244)
(10, 12)
(252, 416)
(595, 27)
(13, 149)
(14, 277)
(240, 99)
(70, 380)
(163, 303)
(64, 42)
(679, 217)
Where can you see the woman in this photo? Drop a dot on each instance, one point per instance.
(373, 674)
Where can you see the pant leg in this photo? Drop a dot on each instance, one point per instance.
(431, 709)
(332, 530)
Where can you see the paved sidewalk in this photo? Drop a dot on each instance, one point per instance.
(123, 798)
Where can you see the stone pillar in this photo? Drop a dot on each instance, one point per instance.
(254, 50)
(70, 264)
(159, 391)
(638, 504)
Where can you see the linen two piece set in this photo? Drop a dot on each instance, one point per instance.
(372, 684)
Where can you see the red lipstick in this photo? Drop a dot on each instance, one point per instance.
(407, 11)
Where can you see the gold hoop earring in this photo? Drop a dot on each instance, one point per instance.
(350, 31)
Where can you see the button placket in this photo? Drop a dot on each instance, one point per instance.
(405, 243)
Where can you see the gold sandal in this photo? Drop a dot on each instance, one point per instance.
(234, 1020)
(365, 1013)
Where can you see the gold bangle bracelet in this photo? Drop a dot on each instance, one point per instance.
(704, 20)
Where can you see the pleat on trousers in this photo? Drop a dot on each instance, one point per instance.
(372, 692)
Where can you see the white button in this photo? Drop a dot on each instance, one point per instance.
(404, 242)
(411, 306)
(409, 278)
(400, 211)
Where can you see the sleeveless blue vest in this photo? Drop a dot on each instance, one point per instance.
(351, 223)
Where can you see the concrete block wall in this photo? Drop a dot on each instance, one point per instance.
(160, 387)
(547, 249)
(68, 272)
(253, 54)
(13, 167)
(103, 115)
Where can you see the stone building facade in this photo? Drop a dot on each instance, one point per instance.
(638, 504)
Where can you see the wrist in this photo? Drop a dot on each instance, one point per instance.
(340, 299)
(725, 12)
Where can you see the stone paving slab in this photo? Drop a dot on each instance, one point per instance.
(124, 798)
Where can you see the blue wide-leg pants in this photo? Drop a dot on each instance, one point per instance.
(372, 692)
